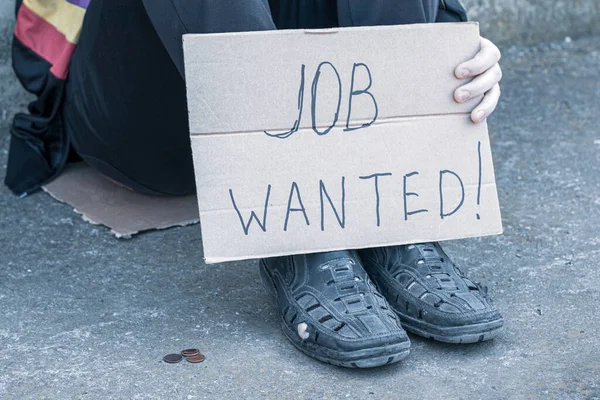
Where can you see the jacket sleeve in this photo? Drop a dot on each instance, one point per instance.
(451, 11)
(40, 58)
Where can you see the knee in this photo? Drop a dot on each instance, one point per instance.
(224, 16)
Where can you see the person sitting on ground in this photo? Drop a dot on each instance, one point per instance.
(110, 89)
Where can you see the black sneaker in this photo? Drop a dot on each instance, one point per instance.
(331, 311)
(431, 295)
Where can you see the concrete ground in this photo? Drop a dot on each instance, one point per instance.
(86, 316)
(534, 21)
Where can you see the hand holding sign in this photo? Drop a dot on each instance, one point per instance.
(384, 156)
(487, 72)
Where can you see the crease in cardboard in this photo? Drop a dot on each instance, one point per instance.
(380, 121)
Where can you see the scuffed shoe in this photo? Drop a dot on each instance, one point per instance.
(431, 295)
(331, 311)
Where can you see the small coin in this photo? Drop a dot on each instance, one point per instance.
(190, 352)
(198, 358)
(172, 358)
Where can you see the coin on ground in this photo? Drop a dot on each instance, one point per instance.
(172, 358)
(196, 359)
(190, 352)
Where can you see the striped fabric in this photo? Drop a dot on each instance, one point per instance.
(51, 28)
(45, 37)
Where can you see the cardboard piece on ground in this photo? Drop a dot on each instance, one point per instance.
(99, 201)
(308, 141)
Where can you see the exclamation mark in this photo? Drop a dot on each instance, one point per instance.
(479, 180)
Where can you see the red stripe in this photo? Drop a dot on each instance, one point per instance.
(45, 40)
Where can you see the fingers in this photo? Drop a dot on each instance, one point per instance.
(487, 105)
(480, 85)
(486, 71)
(488, 55)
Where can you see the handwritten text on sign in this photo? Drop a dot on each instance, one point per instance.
(338, 208)
(313, 141)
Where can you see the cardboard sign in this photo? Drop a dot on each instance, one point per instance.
(307, 141)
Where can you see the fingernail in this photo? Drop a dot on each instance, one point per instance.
(463, 73)
(479, 116)
(462, 95)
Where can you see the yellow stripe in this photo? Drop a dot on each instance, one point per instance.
(67, 18)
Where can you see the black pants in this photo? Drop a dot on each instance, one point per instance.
(125, 105)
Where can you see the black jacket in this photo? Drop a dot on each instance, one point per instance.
(39, 147)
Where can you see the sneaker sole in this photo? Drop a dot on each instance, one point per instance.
(473, 333)
(364, 358)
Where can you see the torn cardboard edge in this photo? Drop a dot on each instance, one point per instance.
(101, 202)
